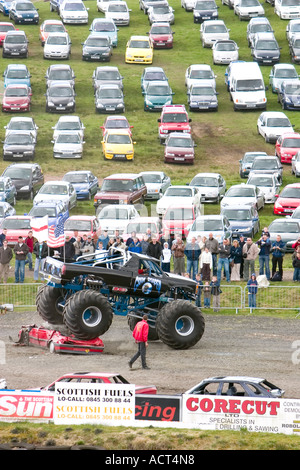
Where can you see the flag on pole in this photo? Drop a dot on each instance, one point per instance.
(56, 235)
(39, 227)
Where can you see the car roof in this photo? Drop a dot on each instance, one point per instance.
(200, 66)
(82, 217)
(139, 37)
(122, 176)
(117, 131)
(17, 66)
(295, 135)
(59, 66)
(216, 175)
(69, 117)
(173, 108)
(236, 378)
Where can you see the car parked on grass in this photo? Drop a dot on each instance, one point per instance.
(57, 46)
(68, 145)
(173, 118)
(53, 209)
(295, 214)
(288, 229)
(8, 193)
(247, 9)
(107, 75)
(139, 50)
(156, 182)
(225, 52)
(259, 24)
(247, 161)
(237, 386)
(213, 30)
(16, 98)
(141, 226)
(16, 74)
(152, 74)
(62, 73)
(105, 27)
(117, 144)
(84, 182)
(161, 35)
(4, 27)
(243, 194)
(102, 5)
(267, 165)
(178, 220)
(287, 9)
(16, 226)
(289, 95)
(121, 188)
(292, 28)
(60, 97)
(69, 123)
(272, 124)
(202, 98)
(22, 124)
(179, 148)
(228, 71)
(57, 191)
(161, 13)
(212, 186)
(119, 12)
(15, 44)
(19, 146)
(179, 194)
(287, 145)
(5, 6)
(218, 224)
(28, 178)
(196, 73)
(55, 4)
(83, 224)
(73, 12)
(294, 47)
(145, 4)
(282, 73)
(156, 95)
(205, 10)
(109, 99)
(288, 200)
(6, 210)
(116, 217)
(296, 164)
(116, 123)
(23, 12)
(267, 183)
(49, 27)
(265, 49)
(244, 220)
(97, 47)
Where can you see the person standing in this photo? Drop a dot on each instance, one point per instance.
(154, 249)
(252, 287)
(140, 334)
(224, 254)
(206, 264)
(242, 242)
(166, 255)
(236, 257)
(296, 266)
(278, 252)
(177, 249)
(21, 251)
(215, 293)
(264, 255)
(30, 241)
(3, 236)
(40, 250)
(192, 252)
(6, 255)
(198, 290)
(213, 246)
(250, 253)
(135, 246)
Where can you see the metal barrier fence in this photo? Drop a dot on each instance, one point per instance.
(20, 295)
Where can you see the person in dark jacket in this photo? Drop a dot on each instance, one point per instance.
(67, 251)
(154, 249)
(215, 291)
(296, 266)
(21, 251)
(252, 287)
(236, 258)
(224, 254)
(264, 244)
(192, 252)
(40, 250)
(6, 255)
(278, 252)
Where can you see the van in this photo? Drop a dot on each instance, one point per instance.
(121, 188)
(247, 88)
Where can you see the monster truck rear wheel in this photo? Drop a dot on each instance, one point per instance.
(180, 324)
(47, 304)
(87, 314)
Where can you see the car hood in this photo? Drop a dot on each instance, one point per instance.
(97, 83)
(160, 37)
(293, 98)
(162, 18)
(113, 194)
(50, 197)
(236, 224)
(203, 98)
(95, 49)
(113, 224)
(70, 147)
(56, 47)
(138, 51)
(288, 201)
(16, 99)
(277, 130)
(227, 201)
(179, 150)
(18, 147)
(61, 100)
(158, 98)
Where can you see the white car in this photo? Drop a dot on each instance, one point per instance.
(157, 182)
(272, 124)
(161, 13)
(24, 124)
(257, 25)
(116, 217)
(296, 164)
(292, 28)
(217, 224)
(188, 5)
(212, 186)
(225, 52)
(68, 123)
(68, 145)
(243, 194)
(102, 5)
(287, 9)
(213, 30)
(179, 195)
(267, 183)
(119, 13)
(73, 12)
(57, 190)
(282, 73)
(247, 9)
(197, 72)
(57, 46)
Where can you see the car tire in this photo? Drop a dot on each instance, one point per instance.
(180, 324)
(87, 314)
(47, 304)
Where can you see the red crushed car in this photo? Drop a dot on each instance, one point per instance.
(288, 200)
(16, 98)
(161, 36)
(4, 27)
(287, 146)
(179, 148)
(177, 220)
(173, 118)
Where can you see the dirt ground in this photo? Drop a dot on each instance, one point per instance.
(236, 345)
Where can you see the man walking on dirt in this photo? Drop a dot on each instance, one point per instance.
(140, 334)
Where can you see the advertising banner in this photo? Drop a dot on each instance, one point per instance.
(80, 403)
(17, 405)
(235, 413)
(157, 408)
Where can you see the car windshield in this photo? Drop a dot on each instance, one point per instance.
(68, 139)
(160, 30)
(278, 122)
(174, 117)
(286, 73)
(151, 178)
(77, 6)
(141, 227)
(205, 181)
(265, 165)
(15, 39)
(109, 93)
(117, 185)
(180, 213)
(249, 85)
(206, 225)
(118, 139)
(63, 92)
(16, 92)
(180, 142)
(201, 74)
(15, 73)
(96, 42)
(6, 27)
(237, 214)
(293, 193)
(76, 178)
(225, 46)
(55, 189)
(80, 225)
(113, 213)
(240, 192)
(161, 10)
(139, 44)
(203, 90)
(215, 28)
(18, 139)
(249, 158)
(117, 8)
(42, 211)
(266, 45)
(158, 90)
(283, 227)
(292, 89)
(205, 5)
(295, 27)
(259, 181)
(261, 28)
(54, 28)
(154, 76)
(17, 173)
(108, 75)
(16, 224)
(249, 3)
(56, 40)
(296, 213)
(180, 192)
(26, 6)
(68, 126)
(116, 124)
(104, 27)
(59, 74)
(290, 3)
(21, 126)
(291, 143)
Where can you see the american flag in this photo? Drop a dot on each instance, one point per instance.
(56, 235)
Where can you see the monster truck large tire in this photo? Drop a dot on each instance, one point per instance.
(47, 304)
(180, 324)
(87, 314)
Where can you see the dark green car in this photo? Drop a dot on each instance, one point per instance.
(157, 95)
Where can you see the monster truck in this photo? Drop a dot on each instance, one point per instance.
(84, 295)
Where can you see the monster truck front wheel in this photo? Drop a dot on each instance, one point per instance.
(48, 301)
(180, 324)
(87, 314)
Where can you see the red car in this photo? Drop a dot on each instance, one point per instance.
(99, 377)
(179, 148)
(116, 122)
(16, 225)
(50, 26)
(161, 36)
(287, 146)
(173, 118)
(84, 224)
(16, 98)
(177, 220)
(288, 200)
(4, 27)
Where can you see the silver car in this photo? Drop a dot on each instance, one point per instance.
(23, 124)
(268, 164)
(156, 183)
(57, 190)
(68, 145)
(288, 229)
(267, 183)
(67, 124)
(212, 186)
(107, 75)
(161, 13)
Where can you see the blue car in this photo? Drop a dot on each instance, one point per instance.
(243, 220)
(84, 182)
(6, 210)
(5, 6)
(157, 94)
(16, 74)
(8, 192)
(24, 12)
(107, 27)
(53, 209)
(289, 95)
(55, 4)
